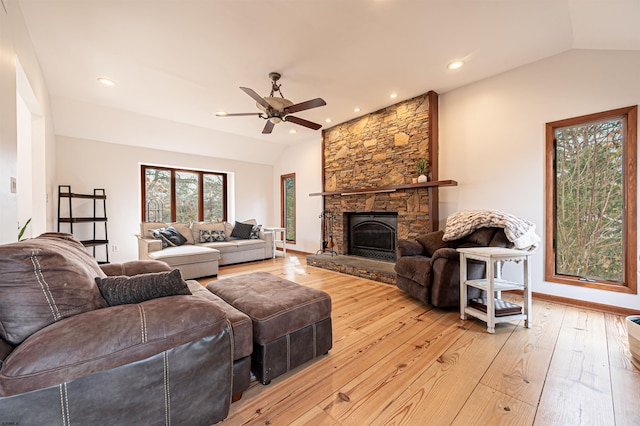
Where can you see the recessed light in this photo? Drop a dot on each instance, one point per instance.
(393, 95)
(106, 81)
(221, 113)
(455, 65)
(328, 120)
(292, 131)
(356, 109)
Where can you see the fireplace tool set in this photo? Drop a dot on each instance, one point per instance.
(327, 243)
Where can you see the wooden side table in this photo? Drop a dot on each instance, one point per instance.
(494, 284)
(275, 230)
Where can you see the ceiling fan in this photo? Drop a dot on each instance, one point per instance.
(276, 110)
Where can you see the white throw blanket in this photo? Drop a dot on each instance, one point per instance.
(520, 232)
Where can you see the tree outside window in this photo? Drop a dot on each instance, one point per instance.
(172, 195)
(288, 205)
(591, 200)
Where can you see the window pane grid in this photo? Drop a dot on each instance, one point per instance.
(183, 195)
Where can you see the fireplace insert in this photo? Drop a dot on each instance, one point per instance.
(373, 235)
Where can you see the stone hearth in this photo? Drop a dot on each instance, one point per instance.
(362, 267)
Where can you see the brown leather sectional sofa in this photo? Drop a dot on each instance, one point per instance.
(68, 358)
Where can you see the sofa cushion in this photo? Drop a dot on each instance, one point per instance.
(240, 322)
(43, 280)
(135, 267)
(415, 268)
(242, 230)
(236, 245)
(123, 290)
(185, 230)
(107, 338)
(185, 254)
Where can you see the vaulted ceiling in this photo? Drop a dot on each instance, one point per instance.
(184, 60)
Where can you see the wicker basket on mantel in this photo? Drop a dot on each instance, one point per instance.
(633, 332)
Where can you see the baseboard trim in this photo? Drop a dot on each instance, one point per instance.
(617, 310)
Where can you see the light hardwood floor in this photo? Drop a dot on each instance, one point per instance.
(396, 362)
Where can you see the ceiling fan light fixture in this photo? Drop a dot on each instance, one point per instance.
(275, 120)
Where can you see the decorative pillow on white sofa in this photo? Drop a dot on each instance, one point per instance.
(212, 236)
(196, 227)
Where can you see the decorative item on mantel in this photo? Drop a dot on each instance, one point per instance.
(422, 165)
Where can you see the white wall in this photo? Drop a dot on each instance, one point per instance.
(305, 160)
(86, 164)
(15, 45)
(492, 140)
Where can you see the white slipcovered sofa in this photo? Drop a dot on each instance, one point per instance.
(207, 245)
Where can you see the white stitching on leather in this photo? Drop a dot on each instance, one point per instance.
(143, 324)
(64, 404)
(167, 392)
(44, 286)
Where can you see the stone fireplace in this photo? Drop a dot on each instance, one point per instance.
(368, 166)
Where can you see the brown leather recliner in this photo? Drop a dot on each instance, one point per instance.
(429, 269)
(68, 358)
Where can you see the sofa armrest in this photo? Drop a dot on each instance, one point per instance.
(108, 338)
(267, 236)
(135, 267)
(446, 253)
(409, 248)
(146, 246)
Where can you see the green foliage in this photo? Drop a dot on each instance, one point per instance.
(22, 230)
(589, 200)
(290, 208)
(422, 165)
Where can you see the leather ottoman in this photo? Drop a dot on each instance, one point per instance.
(291, 322)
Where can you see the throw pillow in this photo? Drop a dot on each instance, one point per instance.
(170, 236)
(205, 226)
(43, 280)
(219, 236)
(185, 230)
(123, 290)
(432, 242)
(242, 230)
(255, 232)
(206, 236)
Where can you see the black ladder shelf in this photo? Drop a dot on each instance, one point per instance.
(99, 236)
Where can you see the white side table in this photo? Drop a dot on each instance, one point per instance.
(494, 284)
(283, 239)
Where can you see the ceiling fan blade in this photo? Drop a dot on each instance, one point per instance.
(268, 127)
(303, 122)
(236, 114)
(256, 97)
(313, 103)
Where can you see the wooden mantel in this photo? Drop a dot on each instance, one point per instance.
(387, 188)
